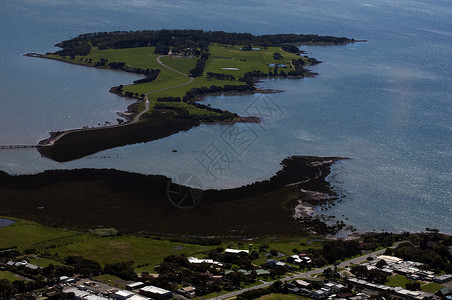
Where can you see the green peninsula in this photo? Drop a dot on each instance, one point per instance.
(177, 67)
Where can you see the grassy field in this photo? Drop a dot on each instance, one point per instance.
(245, 61)
(286, 246)
(25, 234)
(145, 252)
(198, 82)
(182, 64)
(8, 275)
(142, 57)
(29, 235)
(397, 280)
(432, 287)
(127, 248)
(43, 262)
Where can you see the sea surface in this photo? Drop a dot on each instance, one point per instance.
(386, 103)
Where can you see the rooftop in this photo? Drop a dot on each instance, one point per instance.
(154, 290)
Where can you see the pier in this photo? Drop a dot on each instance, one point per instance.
(19, 146)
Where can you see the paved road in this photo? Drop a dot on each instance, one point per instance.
(146, 109)
(307, 274)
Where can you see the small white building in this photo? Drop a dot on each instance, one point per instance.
(294, 259)
(391, 259)
(155, 292)
(187, 291)
(302, 284)
(123, 295)
(194, 260)
(134, 285)
(236, 251)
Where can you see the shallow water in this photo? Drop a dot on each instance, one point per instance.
(6, 222)
(386, 103)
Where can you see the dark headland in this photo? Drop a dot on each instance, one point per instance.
(135, 203)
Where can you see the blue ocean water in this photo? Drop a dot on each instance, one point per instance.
(385, 104)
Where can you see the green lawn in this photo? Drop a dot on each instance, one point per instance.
(8, 275)
(142, 57)
(286, 246)
(42, 262)
(245, 61)
(127, 248)
(432, 287)
(181, 64)
(397, 280)
(25, 234)
(166, 79)
(29, 235)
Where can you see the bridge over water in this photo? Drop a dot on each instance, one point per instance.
(19, 146)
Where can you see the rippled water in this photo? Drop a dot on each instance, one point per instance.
(386, 103)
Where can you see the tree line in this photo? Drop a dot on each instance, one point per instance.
(220, 76)
(183, 39)
(201, 63)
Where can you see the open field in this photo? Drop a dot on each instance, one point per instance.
(287, 246)
(198, 82)
(431, 287)
(397, 280)
(145, 252)
(25, 234)
(141, 57)
(127, 248)
(43, 262)
(8, 276)
(104, 250)
(245, 61)
(182, 64)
